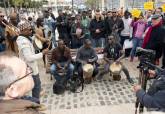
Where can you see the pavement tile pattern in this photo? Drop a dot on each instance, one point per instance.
(99, 93)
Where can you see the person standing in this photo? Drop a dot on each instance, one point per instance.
(126, 33)
(154, 37)
(117, 25)
(27, 53)
(97, 29)
(77, 32)
(139, 29)
(62, 27)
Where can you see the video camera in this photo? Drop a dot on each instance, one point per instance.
(146, 55)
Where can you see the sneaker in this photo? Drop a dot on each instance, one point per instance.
(99, 77)
(41, 107)
(42, 92)
(131, 59)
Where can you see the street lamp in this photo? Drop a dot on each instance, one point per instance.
(4, 2)
(72, 6)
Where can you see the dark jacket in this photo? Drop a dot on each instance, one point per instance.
(156, 40)
(112, 24)
(94, 24)
(18, 107)
(2, 33)
(155, 97)
(62, 28)
(61, 56)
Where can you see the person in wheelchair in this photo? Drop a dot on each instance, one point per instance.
(61, 58)
(113, 53)
(86, 62)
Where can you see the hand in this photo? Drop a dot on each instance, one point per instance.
(84, 62)
(97, 30)
(91, 60)
(65, 66)
(116, 30)
(62, 23)
(45, 51)
(46, 40)
(59, 66)
(136, 88)
(117, 61)
(152, 73)
(130, 38)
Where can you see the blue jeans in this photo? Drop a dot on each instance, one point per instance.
(2, 47)
(37, 86)
(137, 42)
(69, 73)
(100, 42)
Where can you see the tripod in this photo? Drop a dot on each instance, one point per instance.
(143, 77)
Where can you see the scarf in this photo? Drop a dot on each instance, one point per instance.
(148, 34)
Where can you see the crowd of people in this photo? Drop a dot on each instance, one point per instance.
(84, 32)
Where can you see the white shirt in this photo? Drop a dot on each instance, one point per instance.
(27, 53)
(127, 31)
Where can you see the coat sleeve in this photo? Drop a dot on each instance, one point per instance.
(155, 101)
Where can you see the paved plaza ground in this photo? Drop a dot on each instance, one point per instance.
(105, 97)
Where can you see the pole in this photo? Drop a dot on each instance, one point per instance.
(5, 7)
(72, 6)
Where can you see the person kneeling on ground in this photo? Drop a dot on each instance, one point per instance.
(112, 54)
(16, 81)
(61, 58)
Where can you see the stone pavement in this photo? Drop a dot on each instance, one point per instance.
(107, 96)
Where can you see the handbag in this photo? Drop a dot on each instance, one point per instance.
(128, 44)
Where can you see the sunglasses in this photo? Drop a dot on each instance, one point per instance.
(110, 38)
(2, 16)
(113, 12)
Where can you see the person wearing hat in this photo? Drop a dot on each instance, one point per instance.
(87, 55)
(154, 37)
(27, 53)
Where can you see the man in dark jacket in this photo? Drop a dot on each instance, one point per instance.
(114, 24)
(154, 98)
(61, 58)
(97, 29)
(155, 36)
(62, 27)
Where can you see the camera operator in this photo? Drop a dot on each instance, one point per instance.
(154, 98)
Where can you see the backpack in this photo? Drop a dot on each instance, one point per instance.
(58, 88)
(74, 83)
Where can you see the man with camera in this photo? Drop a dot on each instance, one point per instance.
(154, 98)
